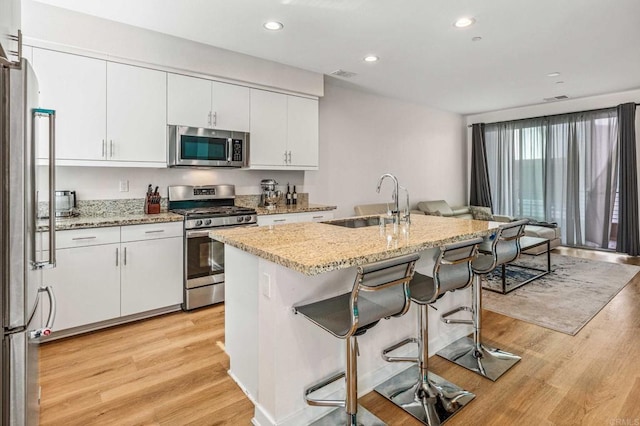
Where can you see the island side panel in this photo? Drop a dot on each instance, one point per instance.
(241, 325)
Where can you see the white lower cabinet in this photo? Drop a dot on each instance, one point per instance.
(279, 219)
(106, 273)
(149, 273)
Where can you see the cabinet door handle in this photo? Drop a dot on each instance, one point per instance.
(285, 157)
(209, 118)
(83, 238)
(124, 260)
(289, 157)
(280, 220)
(214, 119)
(318, 217)
(154, 232)
(110, 149)
(117, 256)
(104, 148)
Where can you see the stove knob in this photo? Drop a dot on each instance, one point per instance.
(198, 222)
(207, 222)
(239, 219)
(247, 218)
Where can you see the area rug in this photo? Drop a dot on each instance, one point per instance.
(564, 300)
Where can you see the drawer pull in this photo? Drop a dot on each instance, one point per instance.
(154, 232)
(83, 238)
(318, 217)
(280, 220)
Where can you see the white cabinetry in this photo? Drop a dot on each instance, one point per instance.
(107, 273)
(86, 279)
(9, 26)
(136, 114)
(107, 114)
(279, 219)
(284, 131)
(197, 102)
(151, 272)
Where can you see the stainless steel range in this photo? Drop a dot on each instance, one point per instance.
(204, 208)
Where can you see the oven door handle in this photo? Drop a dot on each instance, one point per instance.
(197, 234)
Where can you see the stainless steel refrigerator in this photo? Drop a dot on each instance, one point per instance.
(22, 256)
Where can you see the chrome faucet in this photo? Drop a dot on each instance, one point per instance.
(395, 196)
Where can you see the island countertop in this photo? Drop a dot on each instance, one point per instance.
(314, 248)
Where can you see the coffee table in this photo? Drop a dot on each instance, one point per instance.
(526, 243)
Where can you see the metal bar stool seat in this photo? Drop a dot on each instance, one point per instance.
(503, 247)
(380, 290)
(425, 395)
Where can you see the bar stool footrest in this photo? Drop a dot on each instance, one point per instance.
(320, 385)
(442, 400)
(445, 317)
(339, 417)
(488, 362)
(398, 345)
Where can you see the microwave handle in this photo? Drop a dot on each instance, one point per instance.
(229, 150)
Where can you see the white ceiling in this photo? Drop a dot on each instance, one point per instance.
(594, 44)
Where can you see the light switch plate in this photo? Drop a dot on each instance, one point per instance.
(124, 186)
(266, 285)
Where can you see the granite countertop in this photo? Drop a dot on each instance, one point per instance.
(298, 208)
(314, 248)
(81, 222)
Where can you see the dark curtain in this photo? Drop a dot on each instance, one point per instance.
(628, 229)
(480, 191)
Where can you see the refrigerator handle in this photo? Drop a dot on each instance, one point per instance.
(46, 330)
(51, 115)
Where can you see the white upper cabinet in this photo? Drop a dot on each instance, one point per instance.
(188, 101)
(75, 87)
(230, 107)
(268, 143)
(9, 26)
(196, 102)
(136, 113)
(284, 132)
(302, 131)
(107, 114)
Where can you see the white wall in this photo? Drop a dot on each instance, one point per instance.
(59, 28)
(102, 183)
(363, 136)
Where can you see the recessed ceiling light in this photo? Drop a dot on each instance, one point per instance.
(273, 25)
(464, 22)
(553, 74)
(371, 58)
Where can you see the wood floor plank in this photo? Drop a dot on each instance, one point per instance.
(171, 370)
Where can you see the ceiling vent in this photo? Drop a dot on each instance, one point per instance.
(343, 73)
(556, 98)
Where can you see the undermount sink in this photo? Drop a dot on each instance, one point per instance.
(358, 222)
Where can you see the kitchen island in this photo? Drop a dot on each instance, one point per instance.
(275, 355)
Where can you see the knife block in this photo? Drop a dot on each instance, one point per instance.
(152, 204)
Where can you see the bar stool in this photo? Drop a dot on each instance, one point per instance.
(425, 395)
(380, 290)
(503, 247)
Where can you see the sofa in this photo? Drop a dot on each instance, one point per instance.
(541, 230)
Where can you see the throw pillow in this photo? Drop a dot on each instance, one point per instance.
(481, 213)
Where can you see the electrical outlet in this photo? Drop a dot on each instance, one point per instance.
(124, 186)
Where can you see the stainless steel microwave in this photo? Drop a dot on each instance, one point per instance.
(200, 147)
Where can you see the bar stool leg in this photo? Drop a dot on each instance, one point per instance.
(471, 353)
(425, 395)
(352, 414)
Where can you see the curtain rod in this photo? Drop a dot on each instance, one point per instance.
(546, 116)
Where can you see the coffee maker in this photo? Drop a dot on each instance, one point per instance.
(270, 194)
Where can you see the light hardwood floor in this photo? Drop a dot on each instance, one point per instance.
(171, 370)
